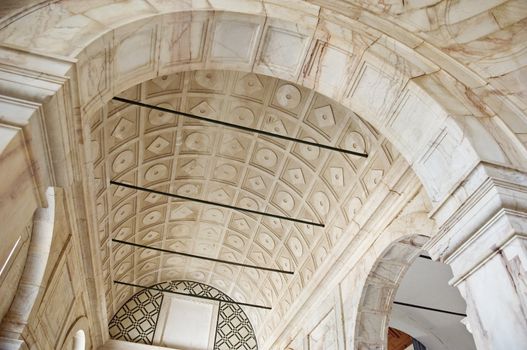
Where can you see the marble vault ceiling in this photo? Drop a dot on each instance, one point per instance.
(174, 154)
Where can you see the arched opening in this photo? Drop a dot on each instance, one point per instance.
(79, 340)
(407, 294)
(429, 309)
(404, 93)
(201, 319)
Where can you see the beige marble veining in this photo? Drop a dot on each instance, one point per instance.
(440, 89)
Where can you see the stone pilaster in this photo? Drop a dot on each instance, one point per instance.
(483, 237)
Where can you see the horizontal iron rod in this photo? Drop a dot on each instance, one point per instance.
(202, 257)
(430, 309)
(215, 203)
(241, 127)
(192, 295)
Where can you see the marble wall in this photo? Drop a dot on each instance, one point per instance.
(394, 79)
(49, 306)
(443, 81)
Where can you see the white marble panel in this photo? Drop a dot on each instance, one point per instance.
(94, 71)
(194, 320)
(443, 164)
(282, 51)
(324, 335)
(113, 14)
(135, 51)
(327, 68)
(234, 41)
(412, 122)
(373, 93)
(183, 40)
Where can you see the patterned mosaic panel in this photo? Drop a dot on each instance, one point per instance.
(193, 288)
(136, 320)
(234, 330)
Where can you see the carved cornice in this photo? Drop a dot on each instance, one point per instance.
(482, 215)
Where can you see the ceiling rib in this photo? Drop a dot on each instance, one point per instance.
(203, 257)
(240, 127)
(192, 295)
(216, 204)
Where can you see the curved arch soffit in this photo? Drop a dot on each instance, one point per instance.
(278, 176)
(396, 90)
(387, 262)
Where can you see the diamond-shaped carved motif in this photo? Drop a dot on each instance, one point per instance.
(337, 176)
(373, 178)
(241, 224)
(152, 198)
(123, 129)
(193, 168)
(220, 196)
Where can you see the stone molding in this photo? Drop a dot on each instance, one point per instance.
(371, 58)
(437, 121)
(492, 210)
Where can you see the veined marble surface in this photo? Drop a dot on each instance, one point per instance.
(441, 82)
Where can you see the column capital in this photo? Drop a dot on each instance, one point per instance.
(483, 215)
(483, 237)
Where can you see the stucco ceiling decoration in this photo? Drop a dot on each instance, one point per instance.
(151, 149)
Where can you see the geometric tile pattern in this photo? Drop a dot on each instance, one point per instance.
(234, 330)
(137, 319)
(192, 288)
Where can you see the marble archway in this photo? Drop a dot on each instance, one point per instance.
(409, 234)
(439, 123)
(400, 92)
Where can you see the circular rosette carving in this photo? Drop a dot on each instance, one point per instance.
(288, 96)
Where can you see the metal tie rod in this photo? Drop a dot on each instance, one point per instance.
(192, 295)
(202, 257)
(241, 127)
(430, 309)
(216, 204)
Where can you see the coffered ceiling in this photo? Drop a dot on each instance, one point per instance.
(158, 150)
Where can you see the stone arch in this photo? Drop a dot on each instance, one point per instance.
(395, 88)
(78, 335)
(79, 340)
(216, 221)
(415, 98)
(387, 262)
